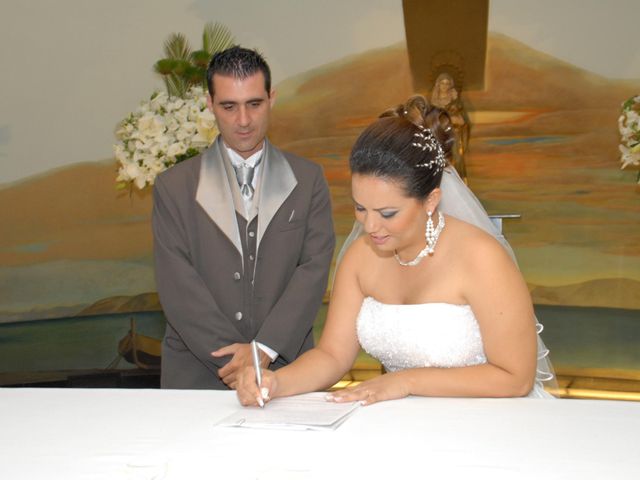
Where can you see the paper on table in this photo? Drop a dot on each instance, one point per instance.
(309, 411)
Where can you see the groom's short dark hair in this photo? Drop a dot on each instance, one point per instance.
(240, 63)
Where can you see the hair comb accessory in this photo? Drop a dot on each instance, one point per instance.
(426, 140)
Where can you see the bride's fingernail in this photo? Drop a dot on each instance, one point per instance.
(328, 396)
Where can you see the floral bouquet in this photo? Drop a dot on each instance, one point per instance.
(629, 126)
(162, 132)
(173, 126)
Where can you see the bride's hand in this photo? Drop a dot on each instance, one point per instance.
(385, 387)
(248, 391)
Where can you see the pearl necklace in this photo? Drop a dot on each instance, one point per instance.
(432, 239)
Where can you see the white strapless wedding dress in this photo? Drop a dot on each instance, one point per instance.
(440, 335)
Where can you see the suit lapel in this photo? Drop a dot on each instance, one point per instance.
(276, 184)
(214, 193)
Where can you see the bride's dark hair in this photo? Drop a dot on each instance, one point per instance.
(385, 149)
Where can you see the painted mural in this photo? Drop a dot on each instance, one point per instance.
(75, 254)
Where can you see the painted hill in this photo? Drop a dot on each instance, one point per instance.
(560, 171)
(339, 99)
(145, 302)
(73, 213)
(522, 78)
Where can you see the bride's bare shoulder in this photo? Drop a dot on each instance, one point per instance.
(472, 241)
(357, 251)
(362, 258)
(480, 254)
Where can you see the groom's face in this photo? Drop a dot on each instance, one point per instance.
(242, 107)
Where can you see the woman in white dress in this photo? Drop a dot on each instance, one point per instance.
(437, 299)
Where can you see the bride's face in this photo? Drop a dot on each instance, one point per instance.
(392, 220)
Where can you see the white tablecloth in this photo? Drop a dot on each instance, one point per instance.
(143, 434)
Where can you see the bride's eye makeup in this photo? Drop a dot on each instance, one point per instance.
(383, 213)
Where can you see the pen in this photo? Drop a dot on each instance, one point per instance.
(256, 367)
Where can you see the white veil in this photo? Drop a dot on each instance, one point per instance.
(458, 201)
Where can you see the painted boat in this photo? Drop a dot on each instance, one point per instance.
(141, 350)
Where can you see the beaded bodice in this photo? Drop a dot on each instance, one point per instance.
(422, 335)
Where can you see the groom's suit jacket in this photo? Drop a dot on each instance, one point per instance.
(223, 278)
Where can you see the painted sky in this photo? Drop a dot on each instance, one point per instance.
(72, 69)
(600, 36)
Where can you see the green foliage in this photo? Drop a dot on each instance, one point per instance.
(215, 38)
(191, 152)
(200, 58)
(628, 104)
(183, 68)
(177, 46)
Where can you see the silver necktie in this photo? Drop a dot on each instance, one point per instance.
(244, 174)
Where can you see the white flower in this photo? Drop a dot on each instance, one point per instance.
(175, 149)
(181, 115)
(629, 127)
(121, 154)
(629, 156)
(194, 110)
(172, 125)
(151, 125)
(140, 181)
(131, 171)
(186, 130)
(175, 105)
(158, 131)
(206, 126)
(205, 120)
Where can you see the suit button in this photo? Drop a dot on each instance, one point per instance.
(238, 315)
(251, 257)
(237, 276)
(252, 234)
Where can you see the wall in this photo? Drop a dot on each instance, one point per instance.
(544, 138)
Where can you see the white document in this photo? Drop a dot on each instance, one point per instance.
(309, 411)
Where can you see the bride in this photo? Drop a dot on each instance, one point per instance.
(429, 288)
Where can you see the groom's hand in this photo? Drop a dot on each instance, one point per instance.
(241, 358)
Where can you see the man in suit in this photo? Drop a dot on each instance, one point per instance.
(243, 239)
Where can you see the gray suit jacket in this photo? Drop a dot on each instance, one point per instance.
(200, 266)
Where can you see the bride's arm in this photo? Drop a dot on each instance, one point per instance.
(500, 300)
(324, 365)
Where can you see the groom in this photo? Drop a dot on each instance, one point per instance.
(243, 239)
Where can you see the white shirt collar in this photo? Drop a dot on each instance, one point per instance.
(237, 159)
